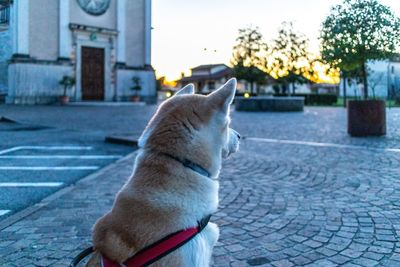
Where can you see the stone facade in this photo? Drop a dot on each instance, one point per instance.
(46, 43)
(5, 53)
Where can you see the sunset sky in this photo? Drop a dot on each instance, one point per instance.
(183, 29)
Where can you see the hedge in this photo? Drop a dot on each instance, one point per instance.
(316, 99)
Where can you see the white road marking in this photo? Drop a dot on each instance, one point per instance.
(2, 212)
(320, 144)
(46, 168)
(48, 184)
(45, 148)
(61, 157)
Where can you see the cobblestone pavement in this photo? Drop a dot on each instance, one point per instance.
(281, 204)
(314, 124)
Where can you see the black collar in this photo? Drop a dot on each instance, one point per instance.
(190, 164)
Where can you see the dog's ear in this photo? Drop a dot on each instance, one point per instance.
(186, 90)
(223, 97)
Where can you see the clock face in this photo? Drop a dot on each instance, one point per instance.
(94, 7)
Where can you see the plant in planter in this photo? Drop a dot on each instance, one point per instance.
(136, 88)
(67, 82)
(355, 32)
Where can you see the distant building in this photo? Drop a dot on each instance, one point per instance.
(383, 80)
(324, 88)
(102, 43)
(207, 78)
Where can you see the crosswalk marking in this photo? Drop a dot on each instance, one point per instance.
(3, 212)
(13, 149)
(47, 184)
(61, 157)
(321, 144)
(29, 154)
(47, 168)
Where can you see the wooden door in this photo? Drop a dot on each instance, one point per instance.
(92, 76)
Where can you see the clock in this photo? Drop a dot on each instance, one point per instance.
(94, 7)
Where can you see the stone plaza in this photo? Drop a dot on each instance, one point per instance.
(300, 192)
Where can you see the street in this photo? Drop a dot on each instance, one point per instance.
(43, 151)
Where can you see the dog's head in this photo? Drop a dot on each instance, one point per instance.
(194, 127)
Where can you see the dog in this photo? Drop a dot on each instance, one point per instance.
(164, 195)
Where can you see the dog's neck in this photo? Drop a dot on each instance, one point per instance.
(190, 164)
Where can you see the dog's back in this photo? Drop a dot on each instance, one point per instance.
(163, 195)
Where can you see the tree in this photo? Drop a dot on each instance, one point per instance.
(357, 31)
(289, 58)
(247, 57)
(67, 82)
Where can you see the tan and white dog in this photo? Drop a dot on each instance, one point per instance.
(163, 195)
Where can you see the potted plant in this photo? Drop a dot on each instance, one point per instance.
(67, 82)
(136, 88)
(354, 33)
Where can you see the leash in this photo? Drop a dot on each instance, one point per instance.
(153, 252)
(81, 256)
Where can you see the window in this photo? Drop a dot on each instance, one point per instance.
(4, 14)
(211, 85)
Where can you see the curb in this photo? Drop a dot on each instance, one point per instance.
(47, 200)
(106, 104)
(122, 140)
(7, 120)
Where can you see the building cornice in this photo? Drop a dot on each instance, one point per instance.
(92, 29)
(123, 66)
(26, 59)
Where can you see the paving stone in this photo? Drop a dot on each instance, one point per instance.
(325, 263)
(312, 243)
(339, 259)
(300, 260)
(373, 255)
(365, 262)
(297, 238)
(326, 251)
(351, 253)
(234, 248)
(282, 263)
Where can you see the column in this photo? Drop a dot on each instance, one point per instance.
(20, 27)
(121, 27)
(64, 42)
(147, 34)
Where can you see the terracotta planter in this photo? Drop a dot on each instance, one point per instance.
(135, 98)
(64, 100)
(366, 117)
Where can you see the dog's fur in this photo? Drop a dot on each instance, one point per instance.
(163, 196)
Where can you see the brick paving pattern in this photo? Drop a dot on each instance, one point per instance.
(281, 204)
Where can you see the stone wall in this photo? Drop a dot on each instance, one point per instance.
(280, 104)
(35, 83)
(5, 55)
(124, 84)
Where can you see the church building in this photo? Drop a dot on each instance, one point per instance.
(104, 45)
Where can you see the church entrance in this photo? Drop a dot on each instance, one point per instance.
(92, 76)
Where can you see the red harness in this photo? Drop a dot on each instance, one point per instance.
(161, 248)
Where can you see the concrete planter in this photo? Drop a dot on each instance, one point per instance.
(366, 117)
(282, 104)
